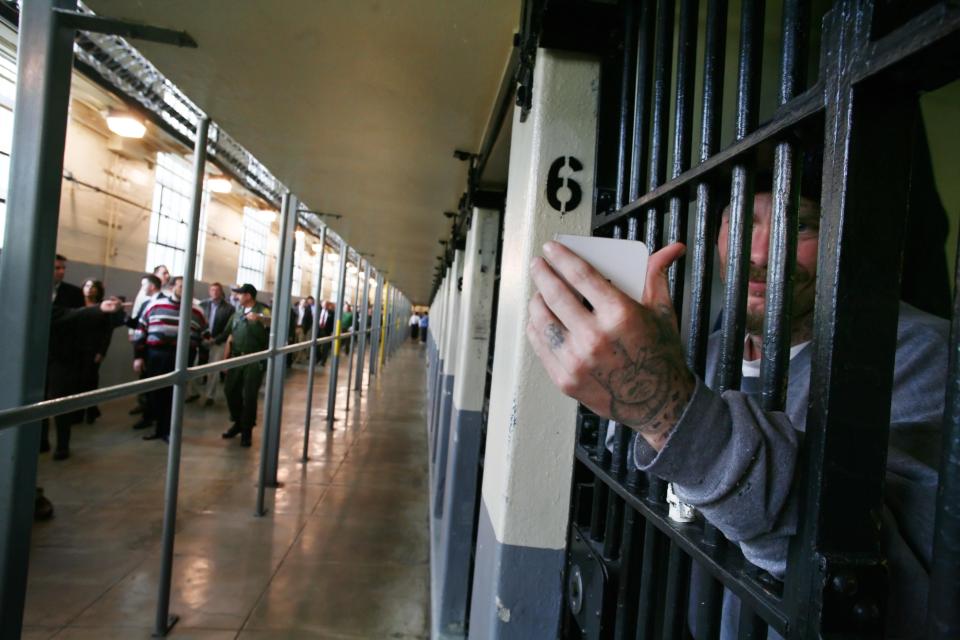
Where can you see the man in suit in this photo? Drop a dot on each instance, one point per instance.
(304, 325)
(65, 294)
(62, 363)
(326, 329)
(218, 312)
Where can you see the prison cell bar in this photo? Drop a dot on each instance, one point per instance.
(662, 59)
(314, 330)
(683, 123)
(782, 252)
(708, 589)
(943, 615)
(640, 140)
(375, 338)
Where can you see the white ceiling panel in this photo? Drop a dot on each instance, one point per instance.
(356, 105)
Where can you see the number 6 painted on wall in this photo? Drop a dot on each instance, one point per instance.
(555, 183)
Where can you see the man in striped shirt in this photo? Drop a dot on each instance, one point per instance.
(155, 350)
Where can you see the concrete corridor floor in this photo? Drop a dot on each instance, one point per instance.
(342, 553)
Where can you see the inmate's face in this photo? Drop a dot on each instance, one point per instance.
(804, 282)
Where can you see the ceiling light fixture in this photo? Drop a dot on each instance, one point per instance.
(219, 185)
(125, 124)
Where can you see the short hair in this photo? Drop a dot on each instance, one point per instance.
(60, 258)
(310, 298)
(175, 278)
(152, 279)
(218, 286)
(161, 266)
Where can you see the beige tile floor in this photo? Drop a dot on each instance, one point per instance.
(342, 553)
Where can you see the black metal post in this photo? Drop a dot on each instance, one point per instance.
(44, 65)
(335, 357)
(314, 330)
(164, 621)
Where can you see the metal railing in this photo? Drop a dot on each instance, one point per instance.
(632, 564)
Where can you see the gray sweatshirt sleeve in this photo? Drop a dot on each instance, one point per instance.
(735, 463)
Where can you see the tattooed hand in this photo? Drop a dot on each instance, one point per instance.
(623, 360)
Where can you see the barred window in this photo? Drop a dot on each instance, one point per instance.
(253, 248)
(171, 215)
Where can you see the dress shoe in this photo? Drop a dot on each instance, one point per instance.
(193, 398)
(61, 454)
(44, 446)
(141, 424)
(232, 432)
(246, 440)
(154, 436)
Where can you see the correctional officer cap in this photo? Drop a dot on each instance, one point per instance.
(246, 288)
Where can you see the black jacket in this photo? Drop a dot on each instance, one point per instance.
(69, 296)
(224, 313)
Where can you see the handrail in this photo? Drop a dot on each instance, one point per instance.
(74, 402)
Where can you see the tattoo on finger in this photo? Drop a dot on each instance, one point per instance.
(554, 335)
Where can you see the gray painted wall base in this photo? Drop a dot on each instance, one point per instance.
(442, 444)
(435, 411)
(454, 539)
(517, 591)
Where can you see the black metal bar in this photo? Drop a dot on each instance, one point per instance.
(683, 124)
(628, 76)
(868, 138)
(163, 620)
(640, 139)
(651, 580)
(123, 28)
(943, 614)
(727, 567)
(782, 252)
(714, 43)
(314, 331)
(676, 595)
(44, 63)
(750, 626)
(662, 61)
(788, 117)
(740, 218)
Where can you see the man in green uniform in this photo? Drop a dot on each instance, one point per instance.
(248, 332)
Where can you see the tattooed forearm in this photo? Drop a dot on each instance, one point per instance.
(554, 335)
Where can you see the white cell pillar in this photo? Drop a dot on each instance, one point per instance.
(445, 388)
(528, 462)
(456, 481)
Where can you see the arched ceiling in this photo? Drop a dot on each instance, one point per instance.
(355, 105)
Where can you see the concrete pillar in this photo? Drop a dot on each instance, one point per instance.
(450, 353)
(457, 481)
(436, 342)
(528, 461)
